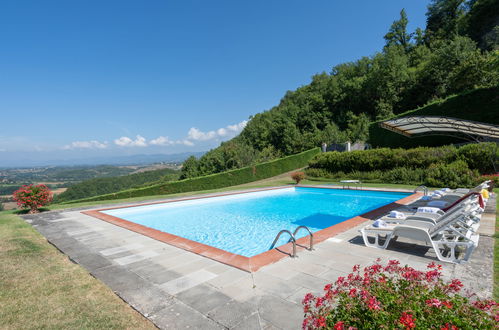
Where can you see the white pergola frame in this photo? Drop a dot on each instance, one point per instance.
(416, 126)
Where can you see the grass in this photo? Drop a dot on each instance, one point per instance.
(41, 288)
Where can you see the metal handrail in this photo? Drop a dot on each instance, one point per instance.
(292, 238)
(309, 233)
(425, 189)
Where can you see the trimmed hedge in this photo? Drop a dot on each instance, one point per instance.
(436, 167)
(218, 180)
(478, 105)
(477, 157)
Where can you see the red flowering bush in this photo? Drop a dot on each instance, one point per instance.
(397, 297)
(33, 197)
(297, 176)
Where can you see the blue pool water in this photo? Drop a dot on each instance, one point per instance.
(247, 223)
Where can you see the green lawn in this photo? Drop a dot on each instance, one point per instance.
(41, 289)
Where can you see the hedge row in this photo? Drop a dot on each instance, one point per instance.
(215, 181)
(477, 156)
(452, 175)
(478, 105)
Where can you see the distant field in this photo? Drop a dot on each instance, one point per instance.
(60, 178)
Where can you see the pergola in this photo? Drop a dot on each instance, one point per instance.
(415, 126)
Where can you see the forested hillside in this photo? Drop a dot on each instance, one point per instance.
(101, 186)
(457, 51)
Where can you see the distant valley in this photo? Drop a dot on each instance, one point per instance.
(122, 172)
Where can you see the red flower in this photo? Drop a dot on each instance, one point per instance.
(485, 304)
(353, 292)
(449, 327)
(373, 304)
(320, 322)
(455, 285)
(407, 320)
(434, 302)
(339, 325)
(307, 298)
(447, 304)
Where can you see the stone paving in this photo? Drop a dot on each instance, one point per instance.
(177, 289)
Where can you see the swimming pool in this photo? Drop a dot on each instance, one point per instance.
(245, 224)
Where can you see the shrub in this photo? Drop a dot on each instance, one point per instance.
(404, 175)
(453, 175)
(493, 177)
(298, 176)
(1, 206)
(477, 156)
(396, 175)
(319, 173)
(33, 197)
(394, 297)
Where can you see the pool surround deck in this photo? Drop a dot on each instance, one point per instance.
(248, 264)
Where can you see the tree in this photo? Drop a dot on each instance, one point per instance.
(442, 18)
(481, 23)
(33, 197)
(397, 35)
(358, 127)
(419, 36)
(190, 168)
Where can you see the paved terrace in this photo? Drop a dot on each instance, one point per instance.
(177, 289)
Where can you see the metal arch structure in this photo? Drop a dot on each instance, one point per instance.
(415, 126)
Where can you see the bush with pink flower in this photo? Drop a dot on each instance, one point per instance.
(392, 296)
(33, 197)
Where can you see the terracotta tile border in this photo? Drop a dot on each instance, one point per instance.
(249, 264)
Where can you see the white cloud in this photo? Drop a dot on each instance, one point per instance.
(165, 141)
(197, 135)
(86, 145)
(187, 143)
(231, 130)
(237, 127)
(125, 141)
(194, 134)
(162, 141)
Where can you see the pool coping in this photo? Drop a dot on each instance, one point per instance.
(248, 264)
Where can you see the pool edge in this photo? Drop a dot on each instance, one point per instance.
(248, 264)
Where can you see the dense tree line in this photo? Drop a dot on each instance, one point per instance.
(456, 52)
(101, 186)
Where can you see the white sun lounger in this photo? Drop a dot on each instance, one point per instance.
(446, 236)
(470, 205)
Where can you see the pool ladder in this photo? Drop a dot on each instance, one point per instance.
(293, 239)
(425, 189)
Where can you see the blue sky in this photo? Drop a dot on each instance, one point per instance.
(88, 78)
